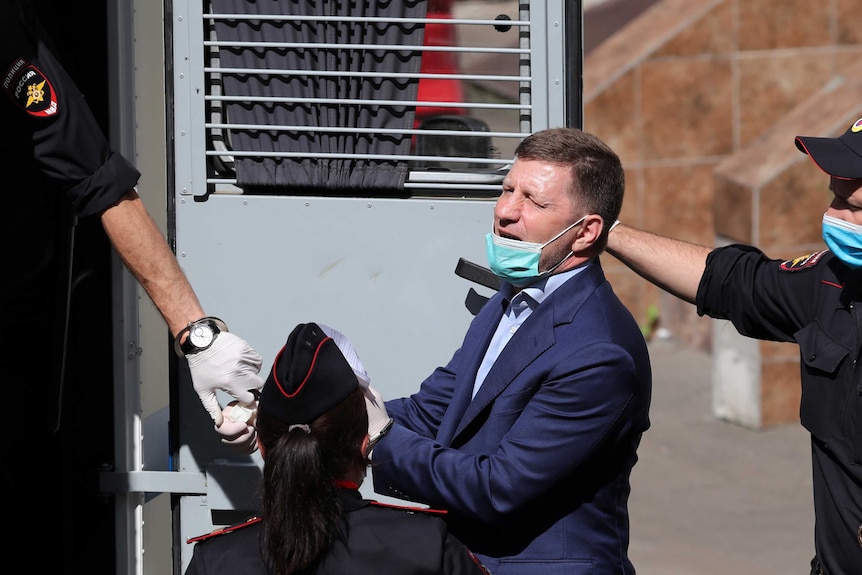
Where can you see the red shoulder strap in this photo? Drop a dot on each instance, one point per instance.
(225, 530)
(411, 508)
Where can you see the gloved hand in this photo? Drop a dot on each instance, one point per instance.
(379, 421)
(229, 364)
(237, 428)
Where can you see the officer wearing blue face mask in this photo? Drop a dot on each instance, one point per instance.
(811, 300)
(838, 157)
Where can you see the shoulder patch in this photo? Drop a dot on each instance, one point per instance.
(224, 530)
(802, 262)
(410, 508)
(30, 89)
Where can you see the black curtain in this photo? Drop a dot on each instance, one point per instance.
(312, 173)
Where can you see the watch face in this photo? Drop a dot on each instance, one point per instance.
(201, 335)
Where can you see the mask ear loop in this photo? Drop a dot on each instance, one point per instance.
(565, 231)
(561, 262)
(558, 236)
(844, 225)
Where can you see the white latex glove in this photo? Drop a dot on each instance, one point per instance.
(229, 364)
(379, 421)
(237, 428)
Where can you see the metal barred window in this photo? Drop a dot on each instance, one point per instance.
(377, 99)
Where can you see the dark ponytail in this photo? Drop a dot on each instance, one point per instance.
(301, 507)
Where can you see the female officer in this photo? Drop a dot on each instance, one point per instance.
(312, 430)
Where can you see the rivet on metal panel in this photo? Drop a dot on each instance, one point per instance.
(134, 350)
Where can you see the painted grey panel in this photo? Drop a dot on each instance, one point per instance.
(379, 270)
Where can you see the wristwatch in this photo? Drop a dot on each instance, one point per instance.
(372, 441)
(202, 334)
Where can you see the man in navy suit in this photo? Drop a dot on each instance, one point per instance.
(529, 434)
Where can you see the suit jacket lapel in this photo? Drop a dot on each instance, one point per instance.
(527, 344)
(472, 352)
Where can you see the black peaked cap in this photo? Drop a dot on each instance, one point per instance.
(840, 157)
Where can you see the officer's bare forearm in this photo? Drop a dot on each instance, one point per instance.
(673, 265)
(140, 244)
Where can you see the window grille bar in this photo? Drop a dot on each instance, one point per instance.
(331, 156)
(397, 103)
(364, 19)
(375, 47)
(336, 130)
(493, 188)
(337, 74)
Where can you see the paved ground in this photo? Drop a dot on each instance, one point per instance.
(710, 497)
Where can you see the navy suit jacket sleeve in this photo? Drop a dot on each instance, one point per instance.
(423, 412)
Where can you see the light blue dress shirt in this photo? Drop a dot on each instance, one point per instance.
(518, 309)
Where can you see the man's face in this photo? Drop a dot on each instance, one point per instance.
(847, 201)
(535, 206)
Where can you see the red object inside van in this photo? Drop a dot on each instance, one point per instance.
(434, 89)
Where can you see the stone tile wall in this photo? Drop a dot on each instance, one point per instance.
(702, 99)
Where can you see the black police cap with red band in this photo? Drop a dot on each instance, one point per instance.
(309, 377)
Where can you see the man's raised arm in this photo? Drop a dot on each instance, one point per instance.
(673, 265)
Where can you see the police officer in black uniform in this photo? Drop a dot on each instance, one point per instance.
(61, 184)
(313, 431)
(814, 301)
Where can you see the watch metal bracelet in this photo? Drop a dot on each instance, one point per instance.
(372, 441)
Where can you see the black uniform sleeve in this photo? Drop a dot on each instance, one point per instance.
(196, 565)
(763, 298)
(458, 560)
(43, 111)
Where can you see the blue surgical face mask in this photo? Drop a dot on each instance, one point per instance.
(844, 239)
(517, 262)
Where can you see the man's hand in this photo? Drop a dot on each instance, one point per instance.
(379, 421)
(231, 365)
(238, 429)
